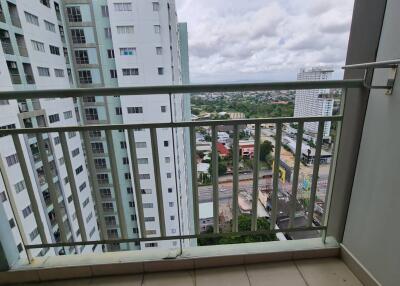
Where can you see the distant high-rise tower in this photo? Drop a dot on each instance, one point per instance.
(313, 102)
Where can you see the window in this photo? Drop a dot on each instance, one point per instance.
(70, 199)
(45, 3)
(163, 108)
(167, 160)
(11, 222)
(59, 72)
(147, 205)
(54, 118)
(66, 180)
(102, 178)
(3, 196)
(127, 51)
(104, 11)
(81, 57)
(89, 217)
(67, 114)
(123, 144)
(85, 76)
(110, 53)
(125, 29)
(113, 73)
(105, 193)
(82, 186)
(156, 6)
(110, 220)
(166, 143)
(143, 161)
(12, 160)
(56, 140)
(27, 211)
(157, 29)
(19, 187)
(123, 6)
(75, 152)
(118, 111)
(43, 71)
(133, 217)
(107, 33)
(146, 191)
(50, 26)
(34, 234)
(129, 190)
(95, 134)
(160, 71)
(108, 206)
(135, 230)
(71, 134)
(134, 71)
(91, 234)
(132, 204)
(135, 109)
(125, 161)
(74, 14)
(141, 144)
(144, 176)
(79, 170)
(159, 50)
(128, 176)
(169, 175)
(91, 114)
(78, 36)
(172, 217)
(30, 18)
(54, 50)
(151, 244)
(149, 219)
(171, 204)
(85, 202)
(38, 46)
(61, 161)
(97, 147)
(20, 248)
(100, 163)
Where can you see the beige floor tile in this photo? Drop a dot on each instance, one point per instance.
(277, 273)
(326, 272)
(181, 278)
(123, 280)
(225, 276)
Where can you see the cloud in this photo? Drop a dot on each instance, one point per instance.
(257, 40)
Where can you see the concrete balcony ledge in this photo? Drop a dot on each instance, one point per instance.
(135, 262)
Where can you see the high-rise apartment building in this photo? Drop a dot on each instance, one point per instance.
(34, 55)
(314, 102)
(86, 44)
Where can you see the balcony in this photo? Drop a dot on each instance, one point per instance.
(7, 46)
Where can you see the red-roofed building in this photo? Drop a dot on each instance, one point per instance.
(246, 148)
(222, 150)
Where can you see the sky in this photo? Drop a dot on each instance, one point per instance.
(264, 40)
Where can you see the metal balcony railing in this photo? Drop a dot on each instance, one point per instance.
(190, 126)
(7, 47)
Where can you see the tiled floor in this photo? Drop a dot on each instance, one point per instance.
(321, 272)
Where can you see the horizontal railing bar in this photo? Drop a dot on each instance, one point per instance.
(189, 236)
(380, 64)
(6, 132)
(167, 89)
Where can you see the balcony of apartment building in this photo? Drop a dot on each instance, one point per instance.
(2, 17)
(23, 51)
(14, 72)
(6, 42)
(30, 79)
(354, 238)
(12, 8)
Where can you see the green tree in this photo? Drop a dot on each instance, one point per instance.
(244, 224)
(266, 148)
(222, 168)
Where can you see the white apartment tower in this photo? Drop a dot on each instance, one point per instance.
(34, 55)
(313, 102)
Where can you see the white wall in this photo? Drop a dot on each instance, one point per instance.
(372, 228)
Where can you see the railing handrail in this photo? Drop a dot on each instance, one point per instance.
(170, 124)
(192, 88)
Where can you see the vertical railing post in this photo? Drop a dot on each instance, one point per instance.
(235, 192)
(194, 180)
(314, 183)
(256, 167)
(157, 179)
(275, 180)
(214, 161)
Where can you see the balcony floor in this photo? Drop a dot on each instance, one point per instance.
(321, 272)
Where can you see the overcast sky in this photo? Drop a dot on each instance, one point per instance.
(255, 40)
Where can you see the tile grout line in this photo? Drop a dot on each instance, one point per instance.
(142, 282)
(301, 274)
(247, 274)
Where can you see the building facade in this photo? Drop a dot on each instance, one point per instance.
(313, 102)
